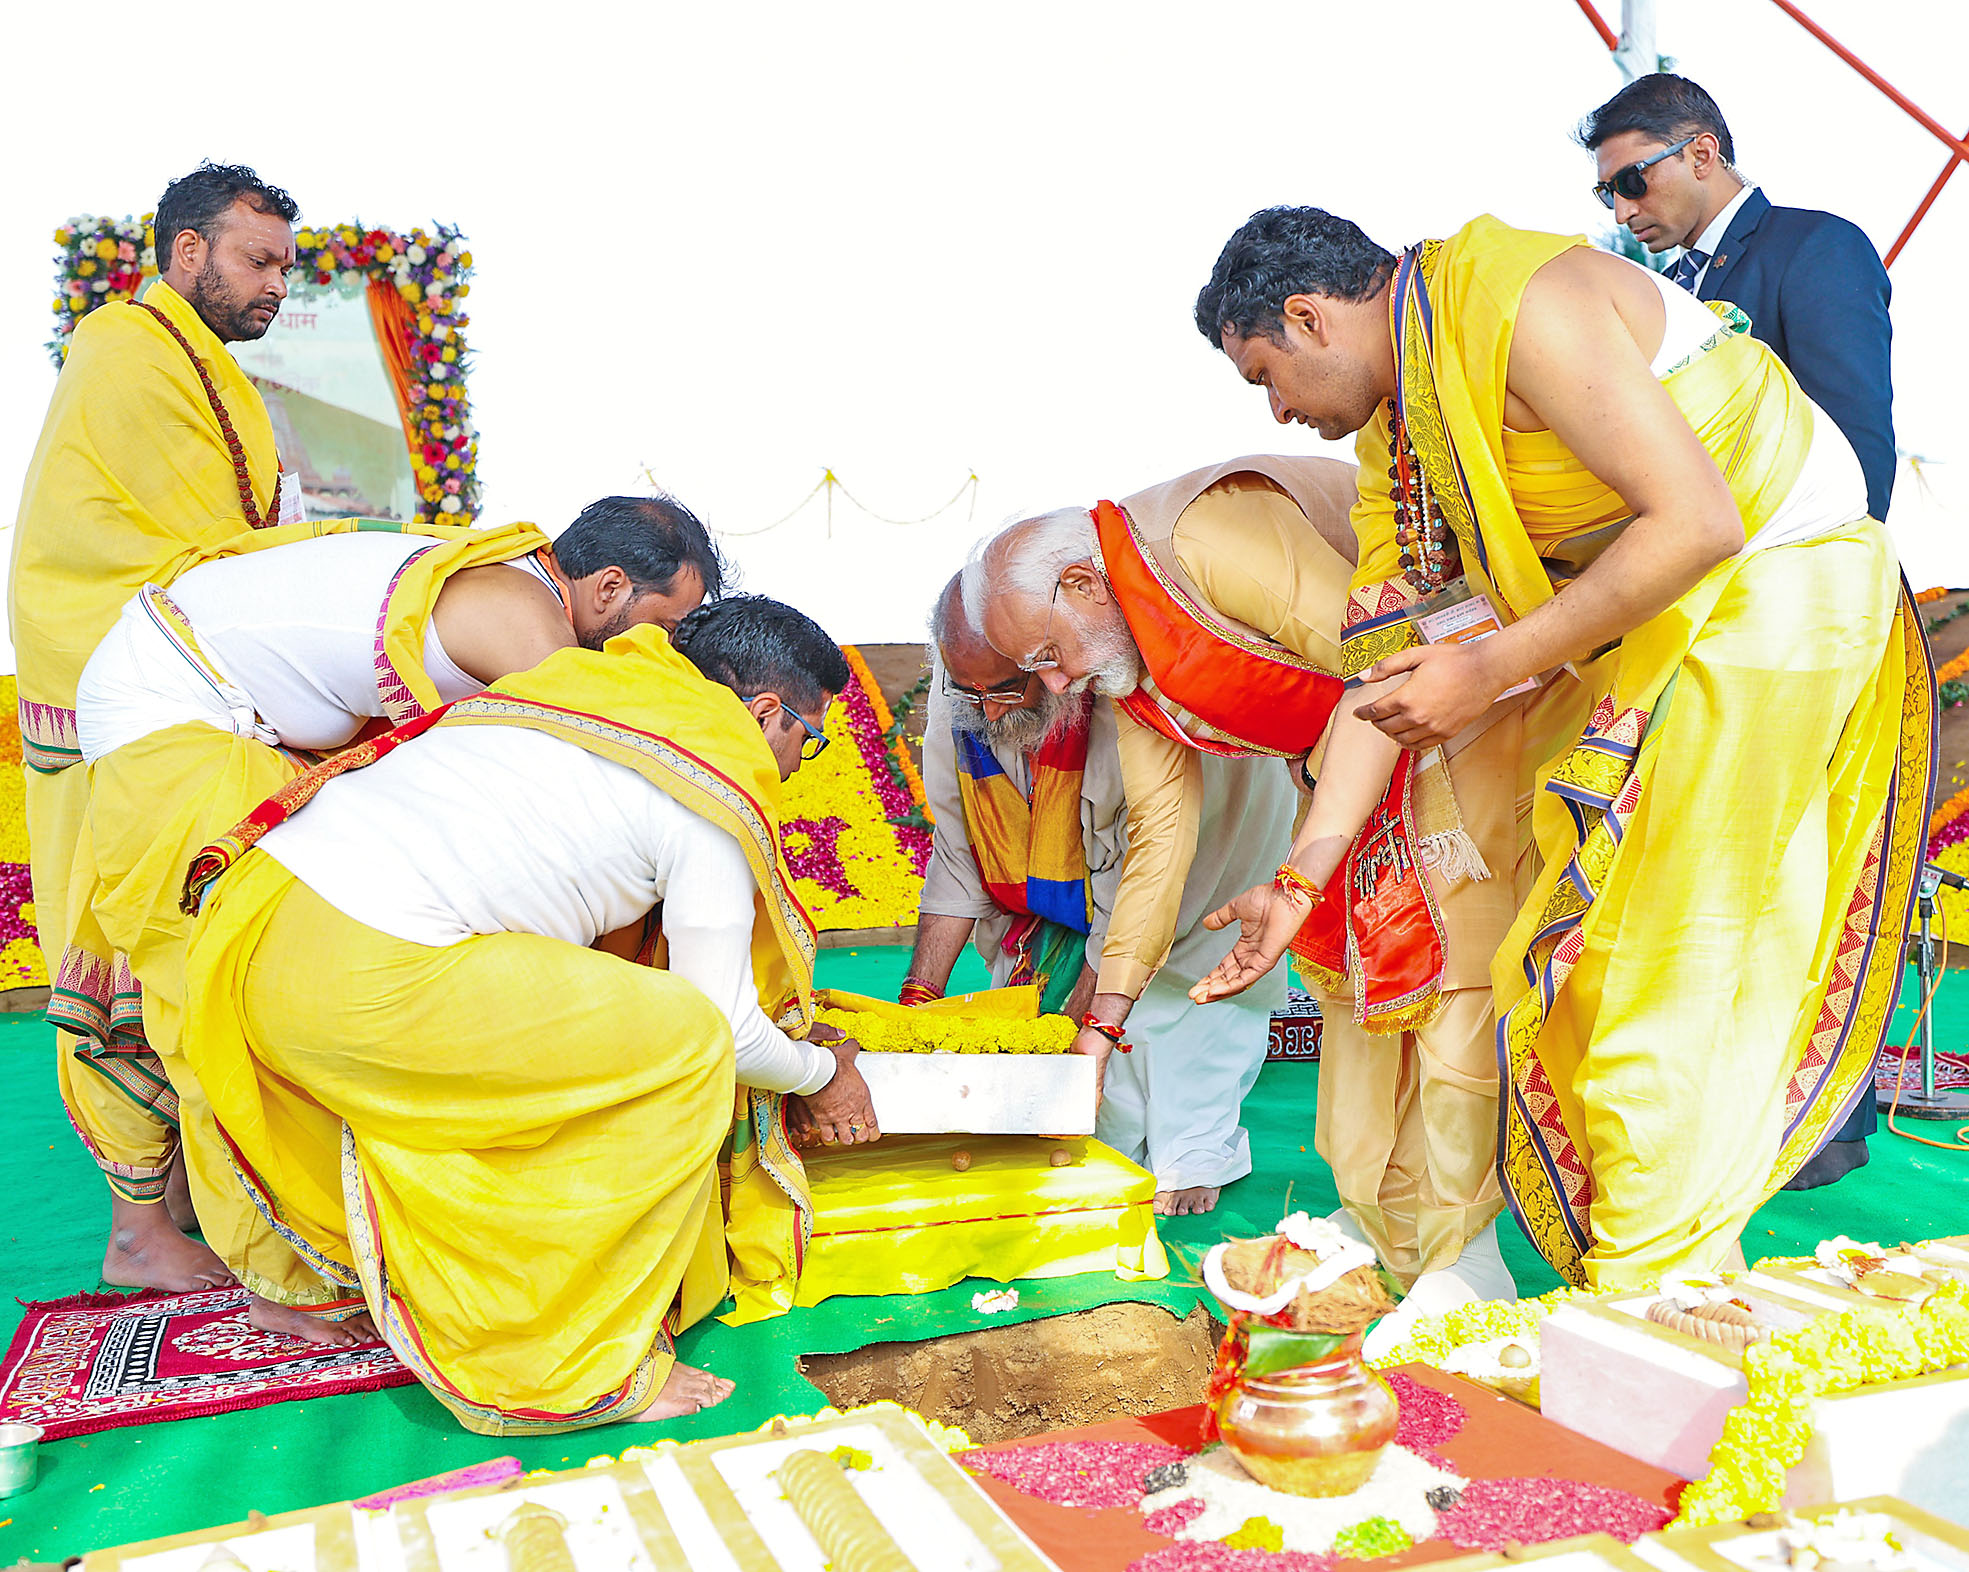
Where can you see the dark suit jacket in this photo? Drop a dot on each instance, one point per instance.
(1814, 290)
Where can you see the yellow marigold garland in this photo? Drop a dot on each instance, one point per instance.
(1434, 1338)
(1953, 903)
(854, 865)
(20, 945)
(1949, 811)
(1767, 1433)
(899, 749)
(930, 1033)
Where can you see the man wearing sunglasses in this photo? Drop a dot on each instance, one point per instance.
(1811, 283)
(1026, 785)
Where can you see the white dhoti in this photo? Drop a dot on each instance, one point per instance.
(1172, 1105)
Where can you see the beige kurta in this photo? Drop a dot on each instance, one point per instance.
(1173, 1103)
(1408, 1123)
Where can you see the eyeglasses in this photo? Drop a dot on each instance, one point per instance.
(816, 740)
(1012, 697)
(1046, 633)
(1631, 181)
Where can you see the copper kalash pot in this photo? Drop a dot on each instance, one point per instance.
(1315, 1429)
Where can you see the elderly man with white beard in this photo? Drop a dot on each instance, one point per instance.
(1208, 610)
(1031, 832)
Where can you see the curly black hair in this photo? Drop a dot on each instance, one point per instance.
(1285, 251)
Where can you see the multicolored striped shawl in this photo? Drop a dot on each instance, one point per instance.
(1029, 850)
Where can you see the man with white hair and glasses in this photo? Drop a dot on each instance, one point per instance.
(1209, 610)
(1026, 785)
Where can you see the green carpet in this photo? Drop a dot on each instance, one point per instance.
(123, 1485)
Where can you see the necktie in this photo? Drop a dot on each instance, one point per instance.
(1687, 267)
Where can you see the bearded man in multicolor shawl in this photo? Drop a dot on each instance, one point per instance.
(443, 1075)
(1727, 805)
(156, 452)
(1031, 813)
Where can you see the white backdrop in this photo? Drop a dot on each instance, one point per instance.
(736, 244)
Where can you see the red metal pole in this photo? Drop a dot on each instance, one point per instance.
(1926, 202)
(1928, 122)
(1607, 34)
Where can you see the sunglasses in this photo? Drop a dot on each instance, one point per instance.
(1632, 180)
(1010, 697)
(816, 740)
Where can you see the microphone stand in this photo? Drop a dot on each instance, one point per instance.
(1924, 1101)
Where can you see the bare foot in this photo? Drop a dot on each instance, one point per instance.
(687, 1391)
(177, 1197)
(270, 1317)
(1194, 1201)
(147, 1251)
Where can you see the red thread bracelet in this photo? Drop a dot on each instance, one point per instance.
(1108, 1030)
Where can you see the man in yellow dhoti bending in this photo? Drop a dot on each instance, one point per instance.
(505, 1138)
(156, 451)
(1026, 785)
(1210, 608)
(190, 712)
(1729, 811)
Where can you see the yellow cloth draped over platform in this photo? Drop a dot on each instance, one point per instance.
(527, 1202)
(1693, 994)
(896, 1218)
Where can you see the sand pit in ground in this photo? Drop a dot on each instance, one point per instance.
(1008, 1381)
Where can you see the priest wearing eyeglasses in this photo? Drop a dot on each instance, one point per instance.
(1031, 831)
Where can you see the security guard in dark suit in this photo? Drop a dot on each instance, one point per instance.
(1811, 284)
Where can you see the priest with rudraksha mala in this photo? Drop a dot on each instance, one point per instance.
(156, 451)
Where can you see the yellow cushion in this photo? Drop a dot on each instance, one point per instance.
(896, 1218)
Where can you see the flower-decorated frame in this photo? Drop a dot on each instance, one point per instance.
(415, 283)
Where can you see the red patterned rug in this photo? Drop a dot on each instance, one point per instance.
(1951, 1072)
(96, 1361)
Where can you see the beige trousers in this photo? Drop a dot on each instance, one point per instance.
(1408, 1125)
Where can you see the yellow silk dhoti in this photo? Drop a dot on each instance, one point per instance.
(132, 480)
(120, 1105)
(1720, 923)
(153, 804)
(529, 1207)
